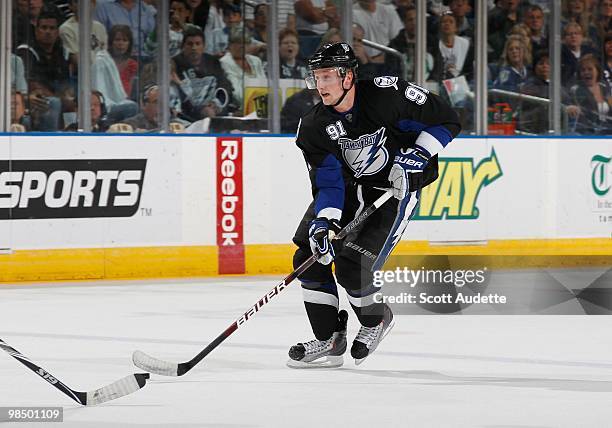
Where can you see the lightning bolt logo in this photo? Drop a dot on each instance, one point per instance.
(367, 155)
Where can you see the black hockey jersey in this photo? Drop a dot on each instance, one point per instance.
(388, 114)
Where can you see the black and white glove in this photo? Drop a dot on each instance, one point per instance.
(320, 232)
(407, 171)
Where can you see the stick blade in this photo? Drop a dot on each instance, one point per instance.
(120, 388)
(154, 365)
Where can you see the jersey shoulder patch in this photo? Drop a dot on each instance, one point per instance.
(386, 82)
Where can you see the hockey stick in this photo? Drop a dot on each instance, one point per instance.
(166, 368)
(125, 386)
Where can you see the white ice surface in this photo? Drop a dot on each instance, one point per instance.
(431, 371)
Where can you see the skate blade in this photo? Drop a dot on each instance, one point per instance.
(361, 360)
(328, 362)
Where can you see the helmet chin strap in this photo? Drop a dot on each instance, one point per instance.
(346, 91)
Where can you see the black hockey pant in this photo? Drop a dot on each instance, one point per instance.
(362, 252)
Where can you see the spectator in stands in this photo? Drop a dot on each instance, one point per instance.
(368, 69)
(453, 55)
(461, 10)
(296, 107)
(18, 111)
(46, 62)
(514, 62)
(572, 50)
(591, 107)
(69, 33)
(333, 35)
(218, 42)
(180, 11)
(534, 19)
(502, 18)
(99, 122)
(44, 105)
(205, 89)
(24, 21)
(522, 30)
(312, 19)
(239, 65)
(215, 18)
(148, 78)
(260, 23)
(62, 8)
(534, 117)
(120, 47)
(291, 67)
(380, 23)
(578, 11)
(148, 118)
(603, 20)
(607, 58)
(18, 79)
(259, 34)
(114, 75)
(98, 112)
(199, 12)
(539, 82)
(286, 14)
(136, 14)
(404, 42)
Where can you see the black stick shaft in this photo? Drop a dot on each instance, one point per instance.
(77, 396)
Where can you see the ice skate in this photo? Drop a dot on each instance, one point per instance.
(321, 353)
(369, 338)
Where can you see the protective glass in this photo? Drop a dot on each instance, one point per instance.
(324, 77)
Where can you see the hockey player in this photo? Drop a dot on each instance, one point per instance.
(363, 138)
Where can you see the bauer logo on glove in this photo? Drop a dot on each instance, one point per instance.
(407, 171)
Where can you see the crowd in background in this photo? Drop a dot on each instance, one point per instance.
(215, 45)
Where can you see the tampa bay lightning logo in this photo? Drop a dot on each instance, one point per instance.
(386, 82)
(367, 155)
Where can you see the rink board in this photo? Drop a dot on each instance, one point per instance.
(129, 206)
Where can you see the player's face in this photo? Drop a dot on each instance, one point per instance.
(329, 85)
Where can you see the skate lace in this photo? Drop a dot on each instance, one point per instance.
(315, 346)
(369, 335)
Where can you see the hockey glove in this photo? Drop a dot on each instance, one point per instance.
(407, 171)
(320, 232)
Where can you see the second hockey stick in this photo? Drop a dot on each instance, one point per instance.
(165, 368)
(125, 386)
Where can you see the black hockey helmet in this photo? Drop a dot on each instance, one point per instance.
(333, 55)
